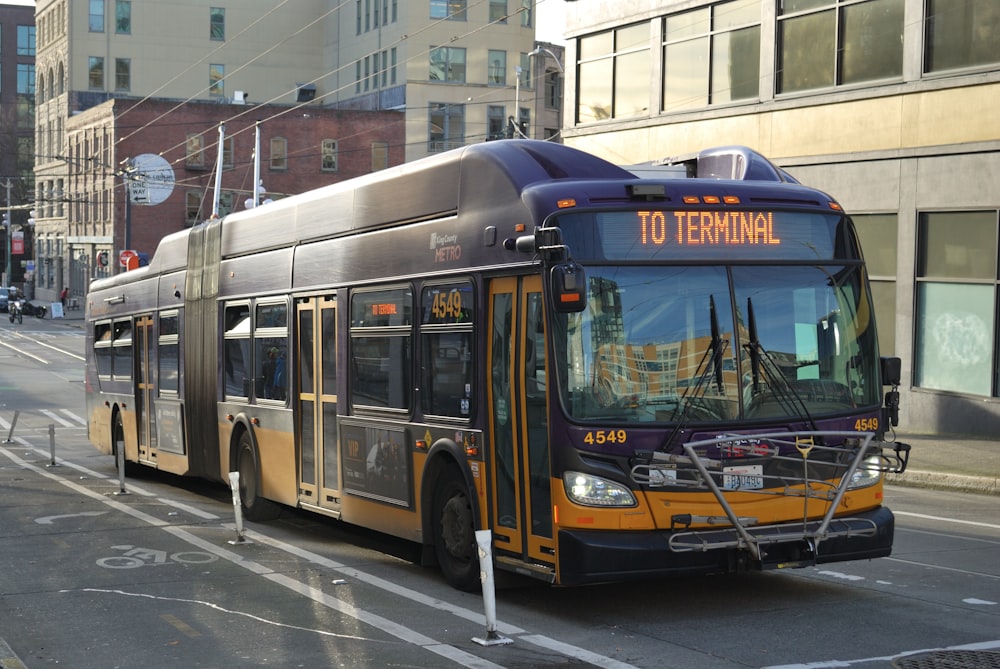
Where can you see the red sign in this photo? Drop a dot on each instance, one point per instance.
(125, 256)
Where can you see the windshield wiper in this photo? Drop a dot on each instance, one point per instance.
(709, 365)
(779, 386)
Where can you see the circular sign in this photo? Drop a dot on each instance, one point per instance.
(125, 256)
(151, 179)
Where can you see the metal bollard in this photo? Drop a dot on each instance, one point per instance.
(52, 446)
(484, 541)
(234, 484)
(120, 455)
(10, 435)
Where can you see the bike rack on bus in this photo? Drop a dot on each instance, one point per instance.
(696, 470)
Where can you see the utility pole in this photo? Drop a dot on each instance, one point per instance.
(8, 226)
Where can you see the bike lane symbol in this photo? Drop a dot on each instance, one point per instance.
(134, 556)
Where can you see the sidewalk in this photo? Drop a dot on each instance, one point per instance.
(951, 463)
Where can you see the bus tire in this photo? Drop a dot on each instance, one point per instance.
(255, 507)
(454, 532)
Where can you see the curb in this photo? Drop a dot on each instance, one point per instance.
(8, 660)
(982, 485)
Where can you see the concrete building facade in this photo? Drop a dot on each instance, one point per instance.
(889, 105)
(449, 72)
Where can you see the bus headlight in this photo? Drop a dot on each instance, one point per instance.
(868, 473)
(591, 490)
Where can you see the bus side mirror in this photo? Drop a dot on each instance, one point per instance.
(569, 288)
(892, 371)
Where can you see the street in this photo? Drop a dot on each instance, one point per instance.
(93, 574)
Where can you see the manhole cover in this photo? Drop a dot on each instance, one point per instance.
(950, 659)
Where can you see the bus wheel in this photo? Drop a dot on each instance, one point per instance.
(454, 533)
(254, 506)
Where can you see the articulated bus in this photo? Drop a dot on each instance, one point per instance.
(619, 377)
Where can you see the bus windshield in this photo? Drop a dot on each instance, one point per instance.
(709, 343)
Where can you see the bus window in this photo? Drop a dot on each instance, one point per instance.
(446, 386)
(381, 348)
(446, 350)
(271, 352)
(102, 348)
(168, 356)
(121, 363)
(237, 350)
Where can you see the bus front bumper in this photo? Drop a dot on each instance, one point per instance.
(587, 556)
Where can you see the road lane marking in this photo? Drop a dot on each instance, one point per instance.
(924, 516)
(444, 650)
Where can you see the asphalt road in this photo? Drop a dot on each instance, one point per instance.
(157, 577)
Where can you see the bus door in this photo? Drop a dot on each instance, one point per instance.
(521, 513)
(318, 464)
(144, 338)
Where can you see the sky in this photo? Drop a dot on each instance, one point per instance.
(549, 21)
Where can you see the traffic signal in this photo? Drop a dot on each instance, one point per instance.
(6, 219)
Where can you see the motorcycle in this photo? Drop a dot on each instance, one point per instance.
(16, 312)
(38, 310)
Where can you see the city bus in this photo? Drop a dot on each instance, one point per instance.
(619, 377)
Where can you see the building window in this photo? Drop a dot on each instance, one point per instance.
(447, 127)
(123, 74)
(553, 90)
(448, 64)
(217, 24)
(96, 16)
(711, 55)
(26, 97)
(328, 152)
(123, 17)
(279, 154)
(380, 156)
(614, 72)
(357, 21)
(957, 290)
(452, 10)
(498, 11)
(26, 41)
(194, 151)
(216, 80)
(961, 33)
(877, 233)
(496, 122)
(526, 17)
(227, 154)
(838, 42)
(392, 73)
(357, 76)
(95, 69)
(497, 68)
(192, 208)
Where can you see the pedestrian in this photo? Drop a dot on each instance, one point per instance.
(64, 295)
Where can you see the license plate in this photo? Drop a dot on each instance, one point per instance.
(746, 477)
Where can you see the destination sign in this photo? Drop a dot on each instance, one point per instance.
(708, 234)
(712, 228)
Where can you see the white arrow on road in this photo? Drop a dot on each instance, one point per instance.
(48, 520)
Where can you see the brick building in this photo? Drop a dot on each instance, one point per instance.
(167, 156)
